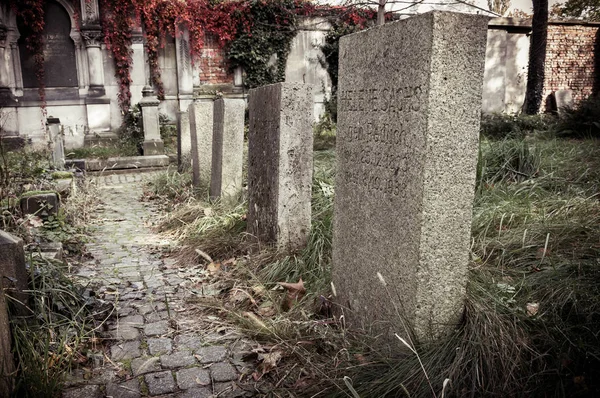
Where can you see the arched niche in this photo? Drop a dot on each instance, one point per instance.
(60, 61)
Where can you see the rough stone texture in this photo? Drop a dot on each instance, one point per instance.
(189, 342)
(222, 371)
(280, 142)
(38, 204)
(202, 392)
(125, 350)
(201, 130)
(184, 141)
(178, 359)
(90, 391)
(409, 100)
(144, 365)
(192, 377)
(12, 263)
(126, 332)
(211, 354)
(128, 389)
(129, 162)
(7, 365)
(564, 99)
(160, 383)
(156, 328)
(160, 346)
(228, 148)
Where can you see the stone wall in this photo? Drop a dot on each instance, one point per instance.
(570, 58)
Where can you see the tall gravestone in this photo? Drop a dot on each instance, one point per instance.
(409, 101)
(184, 141)
(280, 145)
(201, 130)
(57, 142)
(228, 148)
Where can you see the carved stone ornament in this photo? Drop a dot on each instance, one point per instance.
(92, 38)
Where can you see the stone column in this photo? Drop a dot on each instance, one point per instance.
(92, 36)
(5, 92)
(153, 144)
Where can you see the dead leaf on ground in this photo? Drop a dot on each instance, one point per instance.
(217, 266)
(267, 309)
(295, 292)
(268, 363)
(532, 309)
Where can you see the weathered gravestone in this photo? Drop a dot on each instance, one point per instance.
(12, 266)
(409, 99)
(280, 164)
(564, 99)
(57, 142)
(200, 113)
(43, 203)
(228, 148)
(153, 144)
(184, 142)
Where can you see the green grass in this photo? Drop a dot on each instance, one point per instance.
(103, 152)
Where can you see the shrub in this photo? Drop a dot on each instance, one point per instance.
(583, 120)
(501, 125)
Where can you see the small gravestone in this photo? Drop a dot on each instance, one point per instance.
(280, 142)
(12, 267)
(153, 144)
(409, 102)
(201, 128)
(57, 142)
(41, 204)
(184, 141)
(564, 99)
(228, 148)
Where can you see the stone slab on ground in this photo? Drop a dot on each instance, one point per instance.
(156, 328)
(125, 350)
(178, 359)
(89, 391)
(127, 389)
(280, 164)
(161, 345)
(223, 371)
(211, 354)
(144, 365)
(409, 101)
(127, 162)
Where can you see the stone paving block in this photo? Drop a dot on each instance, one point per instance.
(178, 359)
(126, 332)
(188, 342)
(154, 307)
(192, 377)
(160, 383)
(125, 350)
(157, 316)
(222, 371)
(211, 354)
(133, 320)
(157, 328)
(202, 392)
(128, 389)
(144, 365)
(90, 391)
(158, 346)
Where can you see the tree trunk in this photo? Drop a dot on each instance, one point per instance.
(381, 12)
(537, 57)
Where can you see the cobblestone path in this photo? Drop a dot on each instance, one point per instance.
(158, 349)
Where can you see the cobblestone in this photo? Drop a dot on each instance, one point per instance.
(132, 275)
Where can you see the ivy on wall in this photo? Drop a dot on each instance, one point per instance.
(255, 34)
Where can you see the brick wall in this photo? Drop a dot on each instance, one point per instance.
(570, 59)
(212, 64)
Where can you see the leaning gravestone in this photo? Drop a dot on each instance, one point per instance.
(409, 99)
(228, 148)
(12, 268)
(201, 128)
(280, 145)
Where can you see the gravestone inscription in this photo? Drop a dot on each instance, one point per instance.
(408, 127)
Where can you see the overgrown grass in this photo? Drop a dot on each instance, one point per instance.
(124, 148)
(56, 331)
(532, 312)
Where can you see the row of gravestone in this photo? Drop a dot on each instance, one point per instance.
(409, 102)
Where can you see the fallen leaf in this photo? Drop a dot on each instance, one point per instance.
(295, 292)
(268, 363)
(532, 309)
(213, 267)
(267, 309)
